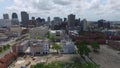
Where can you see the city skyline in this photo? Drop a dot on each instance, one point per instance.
(92, 10)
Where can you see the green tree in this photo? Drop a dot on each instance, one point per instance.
(75, 64)
(53, 38)
(4, 47)
(55, 64)
(8, 45)
(57, 47)
(32, 66)
(82, 49)
(89, 65)
(38, 65)
(37, 37)
(48, 35)
(95, 46)
(1, 49)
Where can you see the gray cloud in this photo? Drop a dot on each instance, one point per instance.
(62, 2)
(64, 7)
(43, 5)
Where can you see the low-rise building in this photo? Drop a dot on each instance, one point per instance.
(59, 34)
(7, 59)
(21, 47)
(5, 23)
(3, 37)
(38, 31)
(39, 47)
(67, 47)
(15, 30)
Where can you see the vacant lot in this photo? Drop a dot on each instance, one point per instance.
(107, 58)
(49, 58)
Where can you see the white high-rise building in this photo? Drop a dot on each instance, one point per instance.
(84, 25)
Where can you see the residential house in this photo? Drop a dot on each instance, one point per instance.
(21, 47)
(39, 47)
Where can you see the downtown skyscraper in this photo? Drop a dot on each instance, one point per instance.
(24, 18)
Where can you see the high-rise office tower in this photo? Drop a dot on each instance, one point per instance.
(48, 20)
(5, 16)
(24, 18)
(14, 16)
(65, 19)
(15, 20)
(71, 20)
(101, 23)
(57, 20)
(77, 22)
(33, 18)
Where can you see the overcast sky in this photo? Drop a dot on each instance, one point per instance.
(89, 9)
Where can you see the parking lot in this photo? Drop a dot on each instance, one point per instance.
(107, 58)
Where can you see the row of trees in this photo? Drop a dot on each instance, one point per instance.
(5, 47)
(83, 49)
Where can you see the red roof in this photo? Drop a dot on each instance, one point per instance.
(2, 65)
(6, 59)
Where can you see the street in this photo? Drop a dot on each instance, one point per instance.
(107, 58)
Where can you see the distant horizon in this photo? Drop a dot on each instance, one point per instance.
(92, 10)
(30, 17)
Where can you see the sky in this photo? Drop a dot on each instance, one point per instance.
(91, 10)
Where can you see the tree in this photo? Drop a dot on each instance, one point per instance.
(8, 45)
(37, 37)
(95, 46)
(4, 47)
(32, 66)
(1, 49)
(48, 35)
(55, 64)
(53, 38)
(38, 65)
(57, 47)
(89, 65)
(82, 49)
(75, 64)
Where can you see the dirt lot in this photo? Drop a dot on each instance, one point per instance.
(49, 58)
(107, 58)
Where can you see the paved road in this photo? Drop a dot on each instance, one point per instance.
(108, 57)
